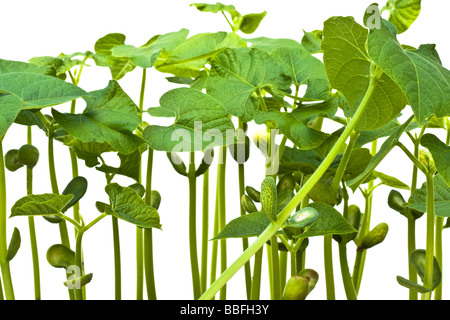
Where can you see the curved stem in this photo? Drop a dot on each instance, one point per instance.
(285, 213)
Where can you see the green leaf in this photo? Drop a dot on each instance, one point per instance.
(390, 181)
(127, 205)
(402, 13)
(303, 136)
(14, 245)
(200, 122)
(418, 199)
(384, 150)
(250, 22)
(110, 116)
(348, 67)
(248, 225)
(217, 7)
(37, 90)
(412, 285)
(312, 41)
(236, 74)
(441, 154)
(384, 131)
(189, 58)
(305, 161)
(270, 45)
(62, 63)
(103, 57)
(358, 161)
(89, 151)
(330, 221)
(425, 82)
(146, 55)
(304, 69)
(8, 66)
(40, 204)
(129, 165)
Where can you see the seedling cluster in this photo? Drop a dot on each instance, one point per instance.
(359, 78)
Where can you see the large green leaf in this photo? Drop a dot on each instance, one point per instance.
(189, 58)
(8, 66)
(418, 199)
(402, 13)
(29, 90)
(110, 116)
(236, 74)
(303, 136)
(418, 72)
(89, 151)
(200, 122)
(348, 67)
(146, 55)
(40, 204)
(127, 205)
(330, 221)
(304, 69)
(384, 150)
(119, 67)
(441, 154)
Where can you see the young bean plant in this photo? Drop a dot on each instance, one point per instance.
(320, 112)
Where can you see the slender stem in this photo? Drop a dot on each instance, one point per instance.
(139, 263)
(79, 263)
(438, 253)
(241, 174)
(4, 264)
(328, 259)
(222, 214)
(32, 229)
(429, 255)
(215, 243)
(196, 285)
(285, 213)
(346, 277)
(117, 265)
(148, 234)
(205, 222)
(256, 283)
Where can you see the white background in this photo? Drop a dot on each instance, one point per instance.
(37, 28)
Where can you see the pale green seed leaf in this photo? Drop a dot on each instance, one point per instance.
(236, 74)
(402, 13)
(200, 122)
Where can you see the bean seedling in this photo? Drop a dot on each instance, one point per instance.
(321, 112)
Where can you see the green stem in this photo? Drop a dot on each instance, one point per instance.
(117, 266)
(285, 213)
(222, 214)
(215, 243)
(328, 259)
(148, 234)
(429, 255)
(139, 263)
(438, 253)
(256, 283)
(205, 222)
(241, 174)
(196, 285)
(32, 229)
(4, 264)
